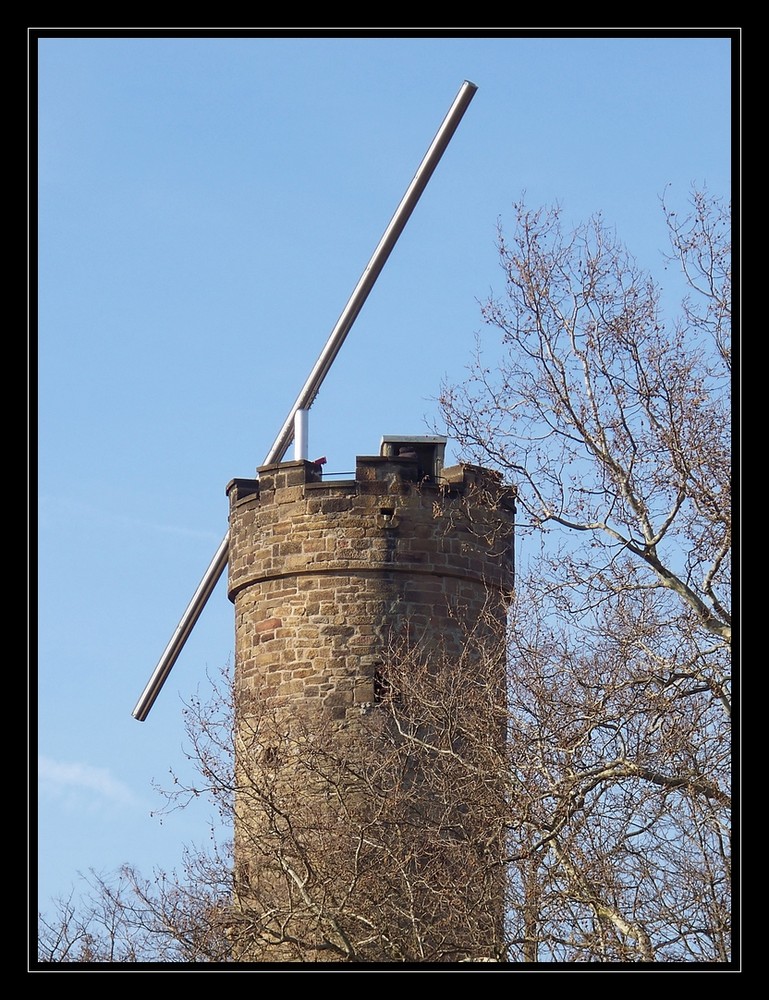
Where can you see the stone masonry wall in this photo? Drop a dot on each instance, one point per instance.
(325, 577)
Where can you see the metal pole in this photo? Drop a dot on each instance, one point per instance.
(301, 440)
(355, 303)
(183, 629)
(311, 387)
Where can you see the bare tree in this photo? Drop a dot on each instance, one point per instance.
(615, 425)
(556, 793)
(377, 842)
(127, 918)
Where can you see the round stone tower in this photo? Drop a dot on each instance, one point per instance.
(328, 578)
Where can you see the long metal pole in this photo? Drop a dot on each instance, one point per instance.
(378, 259)
(311, 387)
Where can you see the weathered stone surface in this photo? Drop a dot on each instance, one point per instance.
(325, 575)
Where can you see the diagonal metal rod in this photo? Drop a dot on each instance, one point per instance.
(311, 387)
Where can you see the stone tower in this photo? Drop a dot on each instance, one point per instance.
(332, 580)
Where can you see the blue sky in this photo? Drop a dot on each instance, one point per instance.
(206, 206)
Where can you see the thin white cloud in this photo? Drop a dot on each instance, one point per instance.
(71, 780)
(53, 512)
